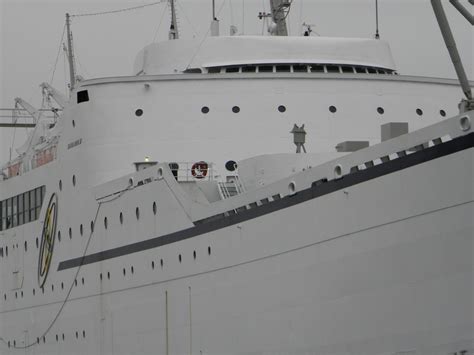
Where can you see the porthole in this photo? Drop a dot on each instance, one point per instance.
(106, 224)
(26, 246)
(121, 218)
(63, 336)
(161, 263)
(139, 112)
(108, 275)
(75, 282)
(81, 231)
(132, 270)
(70, 233)
(92, 226)
(231, 165)
(62, 285)
(236, 109)
(34, 292)
(137, 212)
(465, 123)
(52, 288)
(442, 113)
(60, 185)
(57, 338)
(180, 258)
(154, 208)
(209, 250)
(332, 109)
(37, 243)
(281, 108)
(205, 109)
(74, 180)
(419, 112)
(380, 110)
(82, 280)
(100, 277)
(153, 265)
(73, 123)
(292, 188)
(77, 335)
(83, 333)
(59, 236)
(194, 255)
(124, 271)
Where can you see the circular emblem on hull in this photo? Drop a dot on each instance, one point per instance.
(47, 240)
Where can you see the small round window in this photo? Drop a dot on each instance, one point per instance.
(332, 109)
(419, 112)
(380, 110)
(236, 109)
(139, 112)
(281, 108)
(205, 109)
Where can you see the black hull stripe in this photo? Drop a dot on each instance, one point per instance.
(219, 222)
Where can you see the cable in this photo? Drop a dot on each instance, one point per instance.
(205, 37)
(119, 10)
(187, 18)
(161, 21)
(56, 317)
(57, 55)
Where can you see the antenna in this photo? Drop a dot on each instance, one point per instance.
(377, 35)
(70, 52)
(173, 34)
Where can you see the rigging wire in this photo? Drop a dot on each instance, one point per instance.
(205, 37)
(187, 18)
(119, 10)
(161, 21)
(57, 55)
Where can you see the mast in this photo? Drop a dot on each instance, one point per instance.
(173, 34)
(70, 52)
(280, 9)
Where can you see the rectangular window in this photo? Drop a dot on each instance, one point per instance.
(27, 207)
(21, 210)
(32, 205)
(265, 69)
(39, 200)
(249, 69)
(15, 211)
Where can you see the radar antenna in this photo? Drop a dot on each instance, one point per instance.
(468, 103)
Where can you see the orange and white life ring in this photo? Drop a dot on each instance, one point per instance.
(199, 170)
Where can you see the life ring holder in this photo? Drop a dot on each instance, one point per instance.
(199, 170)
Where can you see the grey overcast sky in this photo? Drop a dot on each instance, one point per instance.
(30, 35)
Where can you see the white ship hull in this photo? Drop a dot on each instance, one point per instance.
(383, 266)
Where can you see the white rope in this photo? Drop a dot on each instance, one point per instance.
(119, 10)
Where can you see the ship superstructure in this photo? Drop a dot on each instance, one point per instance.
(164, 212)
